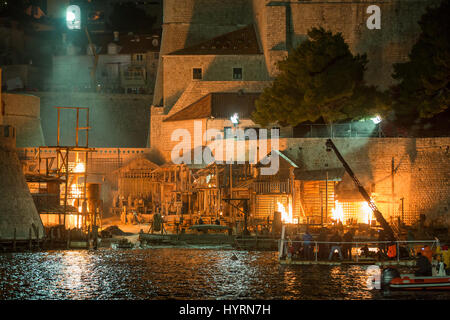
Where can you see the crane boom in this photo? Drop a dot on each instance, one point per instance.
(387, 228)
(94, 53)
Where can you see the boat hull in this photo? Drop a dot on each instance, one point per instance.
(412, 283)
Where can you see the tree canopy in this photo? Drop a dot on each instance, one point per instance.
(319, 79)
(423, 90)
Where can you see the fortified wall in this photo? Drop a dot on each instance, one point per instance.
(116, 120)
(23, 112)
(19, 218)
(186, 23)
(283, 25)
(415, 169)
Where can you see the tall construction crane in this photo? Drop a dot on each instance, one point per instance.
(384, 224)
(94, 52)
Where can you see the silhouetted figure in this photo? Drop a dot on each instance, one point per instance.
(382, 246)
(307, 245)
(365, 251)
(336, 238)
(424, 267)
(323, 247)
(297, 245)
(348, 237)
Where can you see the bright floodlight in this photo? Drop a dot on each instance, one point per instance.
(376, 119)
(234, 118)
(73, 17)
(70, 17)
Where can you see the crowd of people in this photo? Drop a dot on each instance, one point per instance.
(329, 245)
(338, 244)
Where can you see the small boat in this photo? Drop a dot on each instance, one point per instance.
(393, 280)
(124, 243)
(411, 282)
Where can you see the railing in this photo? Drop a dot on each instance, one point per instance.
(353, 129)
(270, 187)
(358, 245)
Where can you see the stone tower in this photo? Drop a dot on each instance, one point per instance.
(189, 22)
(281, 25)
(18, 213)
(17, 209)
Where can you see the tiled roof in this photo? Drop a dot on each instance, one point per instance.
(242, 41)
(130, 44)
(219, 105)
(198, 89)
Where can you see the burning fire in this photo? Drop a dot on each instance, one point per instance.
(364, 214)
(337, 212)
(79, 167)
(368, 214)
(286, 216)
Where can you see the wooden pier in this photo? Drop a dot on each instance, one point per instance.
(406, 263)
(237, 242)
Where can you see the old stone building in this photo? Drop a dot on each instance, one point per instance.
(234, 46)
(214, 53)
(126, 64)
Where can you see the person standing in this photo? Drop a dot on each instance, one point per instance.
(348, 237)
(335, 245)
(307, 245)
(410, 237)
(424, 267)
(323, 247)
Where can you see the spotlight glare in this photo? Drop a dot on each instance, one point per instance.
(234, 118)
(377, 119)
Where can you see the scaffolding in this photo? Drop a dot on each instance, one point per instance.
(70, 171)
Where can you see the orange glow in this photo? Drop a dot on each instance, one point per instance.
(72, 221)
(79, 168)
(286, 216)
(366, 212)
(337, 212)
(357, 211)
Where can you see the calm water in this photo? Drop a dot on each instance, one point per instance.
(176, 274)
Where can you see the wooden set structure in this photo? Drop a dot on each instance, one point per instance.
(66, 166)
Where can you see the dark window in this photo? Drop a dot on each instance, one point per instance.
(197, 74)
(227, 132)
(247, 131)
(237, 73)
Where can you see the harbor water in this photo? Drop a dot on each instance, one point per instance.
(175, 273)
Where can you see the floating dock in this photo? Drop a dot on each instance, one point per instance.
(406, 263)
(213, 239)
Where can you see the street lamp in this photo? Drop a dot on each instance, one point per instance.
(235, 119)
(377, 119)
(73, 17)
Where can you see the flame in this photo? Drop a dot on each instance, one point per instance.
(79, 167)
(76, 192)
(337, 212)
(286, 216)
(367, 212)
(72, 221)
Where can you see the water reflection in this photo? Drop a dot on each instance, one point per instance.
(174, 274)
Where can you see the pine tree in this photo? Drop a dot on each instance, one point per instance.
(423, 90)
(319, 79)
